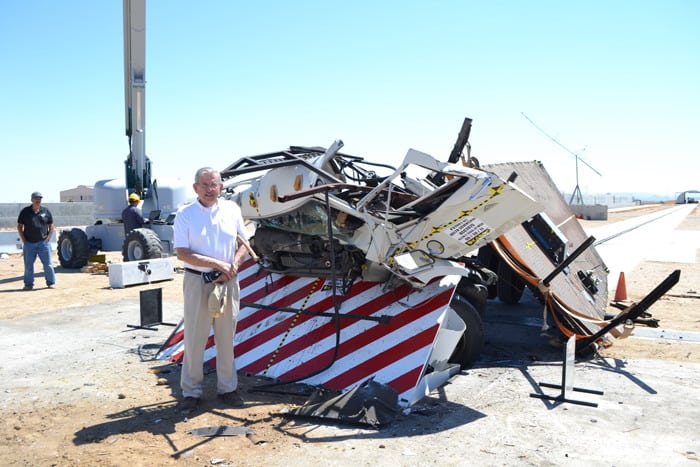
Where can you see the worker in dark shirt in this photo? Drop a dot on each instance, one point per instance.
(131, 215)
(35, 228)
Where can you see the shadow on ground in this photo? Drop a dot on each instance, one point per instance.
(513, 338)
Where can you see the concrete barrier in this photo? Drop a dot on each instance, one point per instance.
(10, 242)
(591, 212)
(64, 215)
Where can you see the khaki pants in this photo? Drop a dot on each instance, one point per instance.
(198, 322)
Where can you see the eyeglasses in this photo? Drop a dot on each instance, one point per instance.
(211, 186)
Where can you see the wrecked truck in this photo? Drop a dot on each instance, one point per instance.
(361, 274)
(364, 272)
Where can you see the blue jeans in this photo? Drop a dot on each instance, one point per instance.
(31, 251)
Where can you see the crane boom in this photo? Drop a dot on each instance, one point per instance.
(138, 166)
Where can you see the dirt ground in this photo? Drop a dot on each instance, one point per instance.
(81, 387)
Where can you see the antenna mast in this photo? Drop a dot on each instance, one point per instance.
(577, 191)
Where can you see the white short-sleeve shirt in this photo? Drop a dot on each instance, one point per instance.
(209, 231)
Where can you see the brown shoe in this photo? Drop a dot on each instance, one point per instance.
(188, 404)
(231, 398)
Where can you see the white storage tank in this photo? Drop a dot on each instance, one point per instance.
(110, 200)
(171, 193)
(167, 196)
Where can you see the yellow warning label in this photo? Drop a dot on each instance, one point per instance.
(468, 230)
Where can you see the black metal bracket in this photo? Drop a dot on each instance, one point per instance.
(635, 310)
(567, 372)
(383, 319)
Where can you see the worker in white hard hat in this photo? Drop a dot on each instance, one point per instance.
(131, 215)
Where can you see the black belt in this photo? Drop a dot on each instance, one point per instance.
(194, 271)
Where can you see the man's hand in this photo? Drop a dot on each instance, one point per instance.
(228, 271)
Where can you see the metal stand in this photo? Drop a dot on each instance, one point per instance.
(151, 302)
(567, 380)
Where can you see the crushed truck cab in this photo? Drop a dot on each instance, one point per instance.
(363, 275)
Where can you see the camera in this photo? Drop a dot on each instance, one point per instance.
(210, 276)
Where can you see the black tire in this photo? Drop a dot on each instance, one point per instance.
(73, 249)
(490, 260)
(471, 343)
(476, 294)
(510, 286)
(141, 244)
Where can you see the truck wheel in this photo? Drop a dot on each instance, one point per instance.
(471, 343)
(489, 259)
(509, 286)
(73, 248)
(476, 294)
(141, 244)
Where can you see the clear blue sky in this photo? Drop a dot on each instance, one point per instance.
(616, 81)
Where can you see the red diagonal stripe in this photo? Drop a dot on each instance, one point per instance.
(266, 289)
(253, 319)
(326, 329)
(407, 380)
(245, 282)
(287, 300)
(368, 336)
(281, 328)
(177, 335)
(383, 359)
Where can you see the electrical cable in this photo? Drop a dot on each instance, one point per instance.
(566, 318)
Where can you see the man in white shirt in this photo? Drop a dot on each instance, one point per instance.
(205, 240)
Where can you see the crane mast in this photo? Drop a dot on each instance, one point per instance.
(161, 199)
(138, 166)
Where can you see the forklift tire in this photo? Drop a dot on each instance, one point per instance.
(510, 286)
(73, 248)
(141, 244)
(489, 259)
(471, 343)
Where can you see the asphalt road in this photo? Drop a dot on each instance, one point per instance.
(651, 237)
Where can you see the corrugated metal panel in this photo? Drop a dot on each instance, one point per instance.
(534, 180)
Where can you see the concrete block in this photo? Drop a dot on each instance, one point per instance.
(140, 272)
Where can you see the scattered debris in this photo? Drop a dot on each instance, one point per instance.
(221, 430)
(95, 267)
(369, 403)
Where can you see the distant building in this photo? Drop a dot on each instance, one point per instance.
(81, 193)
(692, 196)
